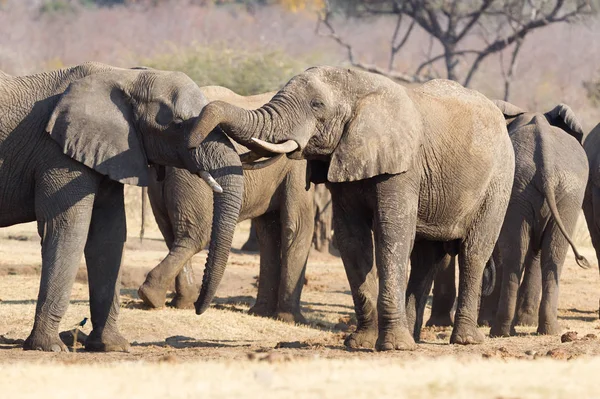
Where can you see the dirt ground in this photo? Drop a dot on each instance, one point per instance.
(228, 353)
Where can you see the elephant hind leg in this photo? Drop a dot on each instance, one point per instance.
(64, 214)
(268, 231)
(475, 251)
(554, 251)
(444, 293)
(591, 211)
(528, 300)
(186, 290)
(104, 255)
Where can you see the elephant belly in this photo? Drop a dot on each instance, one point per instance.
(17, 199)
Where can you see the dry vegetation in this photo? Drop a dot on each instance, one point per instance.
(225, 352)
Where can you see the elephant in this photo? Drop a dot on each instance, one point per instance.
(430, 164)
(591, 199)
(550, 177)
(69, 140)
(278, 199)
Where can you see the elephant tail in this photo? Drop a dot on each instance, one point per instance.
(550, 195)
(551, 200)
(489, 278)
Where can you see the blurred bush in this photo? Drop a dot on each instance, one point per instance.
(244, 71)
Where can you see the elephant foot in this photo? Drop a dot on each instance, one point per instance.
(363, 337)
(440, 320)
(502, 330)
(107, 341)
(154, 297)
(290, 317)
(466, 334)
(526, 318)
(549, 328)
(395, 338)
(44, 342)
(262, 310)
(182, 302)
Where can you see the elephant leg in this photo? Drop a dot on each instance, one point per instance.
(426, 259)
(475, 251)
(154, 289)
(103, 256)
(352, 225)
(251, 245)
(489, 304)
(554, 252)
(528, 300)
(444, 293)
(394, 232)
(591, 210)
(64, 214)
(186, 291)
(297, 223)
(268, 230)
(512, 253)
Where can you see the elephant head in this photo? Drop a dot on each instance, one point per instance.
(360, 123)
(119, 121)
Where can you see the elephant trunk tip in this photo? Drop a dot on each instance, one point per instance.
(201, 306)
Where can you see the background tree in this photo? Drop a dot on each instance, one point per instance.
(464, 33)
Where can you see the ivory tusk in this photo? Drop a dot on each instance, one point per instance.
(261, 164)
(212, 183)
(282, 148)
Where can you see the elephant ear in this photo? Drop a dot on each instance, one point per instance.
(383, 137)
(508, 110)
(562, 116)
(93, 122)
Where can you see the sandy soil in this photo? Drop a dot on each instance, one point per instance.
(227, 353)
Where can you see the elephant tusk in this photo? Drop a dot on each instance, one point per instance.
(282, 148)
(261, 164)
(212, 183)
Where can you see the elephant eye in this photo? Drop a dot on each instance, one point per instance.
(316, 104)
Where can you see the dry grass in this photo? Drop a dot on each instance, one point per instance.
(228, 353)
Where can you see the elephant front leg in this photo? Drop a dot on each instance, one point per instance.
(103, 255)
(394, 228)
(186, 291)
(444, 293)
(63, 223)
(268, 232)
(352, 225)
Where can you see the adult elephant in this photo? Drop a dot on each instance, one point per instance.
(550, 177)
(278, 198)
(432, 163)
(69, 139)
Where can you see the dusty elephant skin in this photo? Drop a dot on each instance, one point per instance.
(431, 164)
(279, 200)
(591, 201)
(550, 177)
(69, 139)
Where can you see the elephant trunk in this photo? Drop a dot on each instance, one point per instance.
(217, 155)
(257, 129)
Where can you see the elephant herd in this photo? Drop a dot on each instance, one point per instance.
(418, 177)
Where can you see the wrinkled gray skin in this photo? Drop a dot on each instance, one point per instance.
(432, 163)
(63, 159)
(591, 201)
(550, 176)
(279, 200)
